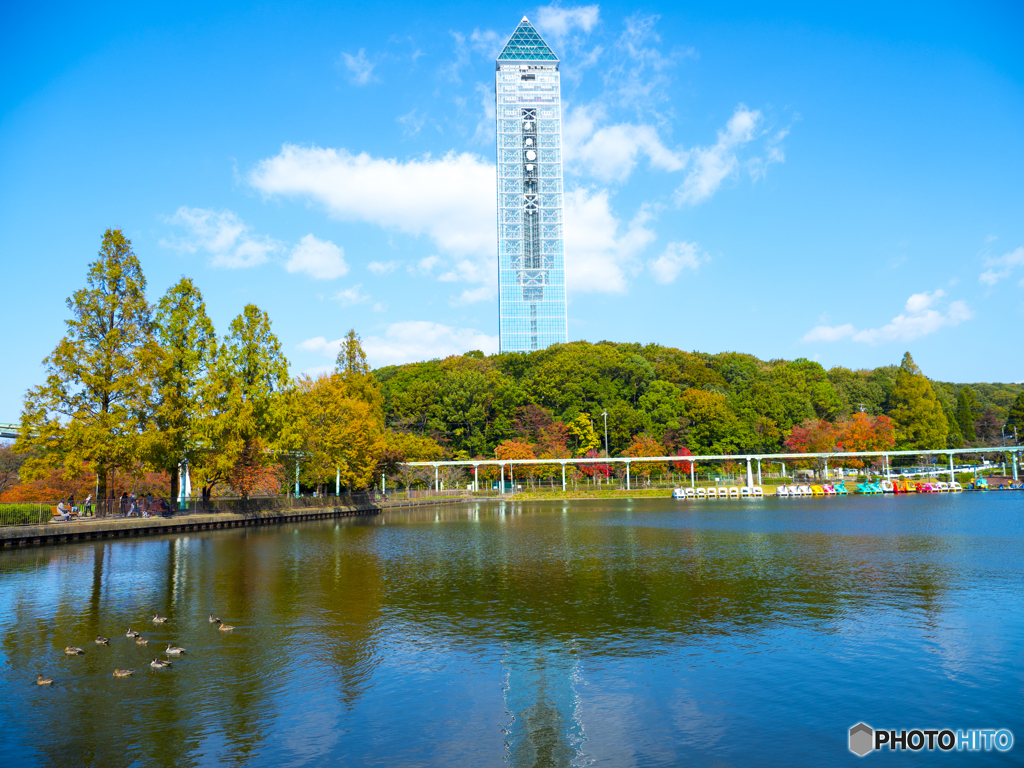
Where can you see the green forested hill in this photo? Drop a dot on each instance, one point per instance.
(724, 403)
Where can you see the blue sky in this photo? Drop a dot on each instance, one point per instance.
(842, 185)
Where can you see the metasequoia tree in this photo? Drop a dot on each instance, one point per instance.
(916, 412)
(242, 436)
(93, 405)
(183, 379)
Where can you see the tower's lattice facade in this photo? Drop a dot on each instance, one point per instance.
(531, 256)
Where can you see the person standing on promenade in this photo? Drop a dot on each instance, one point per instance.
(87, 507)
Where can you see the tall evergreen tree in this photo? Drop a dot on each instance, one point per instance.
(252, 376)
(916, 412)
(92, 408)
(183, 382)
(1015, 417)
(967, 411)
(954, 437)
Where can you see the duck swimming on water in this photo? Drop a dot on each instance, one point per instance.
(44, 680)
(123, 672)
(159, 664)
(173, 650)
(214, 619)
(73, 650)
(101, 640)
(158, 619)
(141, 641)
(132, 633)
(225, 627)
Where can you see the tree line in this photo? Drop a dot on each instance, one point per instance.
(135, 387)
(662, 401)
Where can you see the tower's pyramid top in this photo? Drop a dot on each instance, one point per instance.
(526, 44)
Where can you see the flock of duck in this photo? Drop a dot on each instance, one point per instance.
(131, 634)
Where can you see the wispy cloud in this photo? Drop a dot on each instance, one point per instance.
(1001, 267)
(410, 341)
(711, 165)
(919, 318)
(320, 259)
(349, 296)
(557, 22)
(382, 267)
(223, 235)
(676, 257)
(360, 69)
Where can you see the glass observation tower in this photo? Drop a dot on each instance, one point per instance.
(531, 257)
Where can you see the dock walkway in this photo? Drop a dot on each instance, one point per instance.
(102, 528)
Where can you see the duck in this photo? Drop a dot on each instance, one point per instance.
(214, 619)
(131, 633)
(159, 664)
(173, 650)
(158, 619)
(123, 672)
(141, 641)
(225, 627)
(101, 640)
(73, 650)
(44, 680)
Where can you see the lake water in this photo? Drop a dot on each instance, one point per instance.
(619, 633)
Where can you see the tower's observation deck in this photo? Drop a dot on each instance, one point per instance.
(531, 258)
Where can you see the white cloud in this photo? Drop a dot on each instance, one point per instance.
(484, 133)
(487, 43)
(410, 341)
(382, 267)
(677, 257)
(412, 121)
(598, 253)
(422, 340)
(321, 345)
(557, 22)
(610, 153)
(1001, 267)
(473, 295)
(829, 333)
(711, 165)
(360, 69)
(223, 235)
(320, 259)
(919, 318)
(450, 199)
(426, 264)
(349, 296)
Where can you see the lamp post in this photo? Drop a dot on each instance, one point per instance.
(605, 414)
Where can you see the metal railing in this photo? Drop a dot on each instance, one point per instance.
(38, 513)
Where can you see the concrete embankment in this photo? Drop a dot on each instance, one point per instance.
(78, 530)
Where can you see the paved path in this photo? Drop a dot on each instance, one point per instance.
(91, 528)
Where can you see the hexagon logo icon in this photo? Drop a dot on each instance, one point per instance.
(861, 738)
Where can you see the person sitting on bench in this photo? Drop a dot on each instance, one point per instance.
(63, 512)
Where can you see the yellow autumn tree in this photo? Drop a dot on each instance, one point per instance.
(335, 429)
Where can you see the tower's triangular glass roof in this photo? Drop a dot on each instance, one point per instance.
(526, 44)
